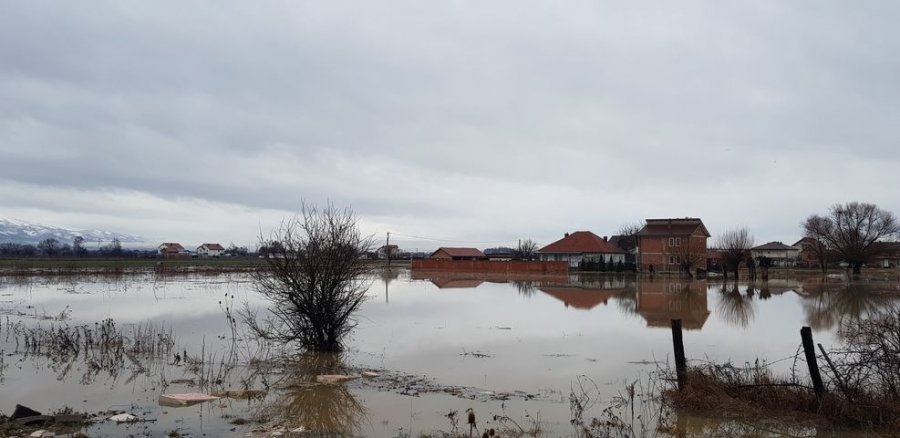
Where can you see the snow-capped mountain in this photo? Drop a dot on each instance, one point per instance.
(17, 231)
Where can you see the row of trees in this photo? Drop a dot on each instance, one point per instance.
(851, 231)
(848, 233)
(54, 248)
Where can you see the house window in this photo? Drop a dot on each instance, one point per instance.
(674, 260)
(674, 241)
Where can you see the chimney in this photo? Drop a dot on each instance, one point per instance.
(566, 235)
(604, 238)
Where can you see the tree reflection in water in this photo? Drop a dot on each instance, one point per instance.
(323, 409)
(830, 305)
(525, 287)
(735, 308)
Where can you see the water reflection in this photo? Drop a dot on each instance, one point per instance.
(659, 301)
(525, 287)
(687, 425)
(831, 305)
(324, 409)
(734, 307)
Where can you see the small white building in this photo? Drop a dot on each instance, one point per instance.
(210, 250)
(779, 253)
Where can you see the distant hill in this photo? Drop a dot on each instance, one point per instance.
(16, 231)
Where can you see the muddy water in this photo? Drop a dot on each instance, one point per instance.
(441, 343)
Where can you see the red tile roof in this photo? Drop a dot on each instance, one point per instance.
(580, 298)
(172, 247)
(775, 246)
(461, 252)
(673, 227)
(580, 242)
(214, 246)
(451, 283)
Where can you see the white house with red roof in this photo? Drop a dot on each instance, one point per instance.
(581, 246)
(779, 253)
(210, 250)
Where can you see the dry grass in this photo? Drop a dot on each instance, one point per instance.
(864, 398)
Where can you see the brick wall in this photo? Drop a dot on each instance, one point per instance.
(489, 266)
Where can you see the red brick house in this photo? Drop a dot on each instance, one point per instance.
(581, 246)
(446, 253)
(170, 249)
(887, 254)
(667, 245)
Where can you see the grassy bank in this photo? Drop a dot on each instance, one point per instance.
(60, 266)
(65, 266)
(861, 385)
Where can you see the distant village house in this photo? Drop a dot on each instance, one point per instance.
(887, 254)
(663, 244)
(780, 254)
(447, 253)
(581, 246)
(210, 250)
(388, 251)
(500, 254)
(170, 249)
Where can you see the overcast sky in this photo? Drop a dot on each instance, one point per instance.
(469, 121)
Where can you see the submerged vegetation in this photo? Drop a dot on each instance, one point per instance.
(316, 281)
(268, 389)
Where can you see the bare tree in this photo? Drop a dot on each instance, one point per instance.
(852, 229)
(735, 246)
(690, 255)
(49, 247)
(527, 249)
(316, 281)
(628, 236)
(78, 246)
(815, 228)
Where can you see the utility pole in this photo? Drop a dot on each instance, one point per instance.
(387, 249)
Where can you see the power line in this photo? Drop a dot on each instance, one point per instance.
(435, 239)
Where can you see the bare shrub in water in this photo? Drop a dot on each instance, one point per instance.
(316, 279)
(870, 362)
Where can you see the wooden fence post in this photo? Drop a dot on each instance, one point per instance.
(680, 361)
(810, 351)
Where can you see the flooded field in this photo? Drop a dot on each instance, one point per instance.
(511, 351)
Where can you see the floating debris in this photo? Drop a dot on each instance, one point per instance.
(476, 353)
(186, 399)
(332, 379)
(242, 394)
(123, 418)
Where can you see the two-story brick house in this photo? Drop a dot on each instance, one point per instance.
(668, 245)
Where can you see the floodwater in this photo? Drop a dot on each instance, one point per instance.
(512, 351)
